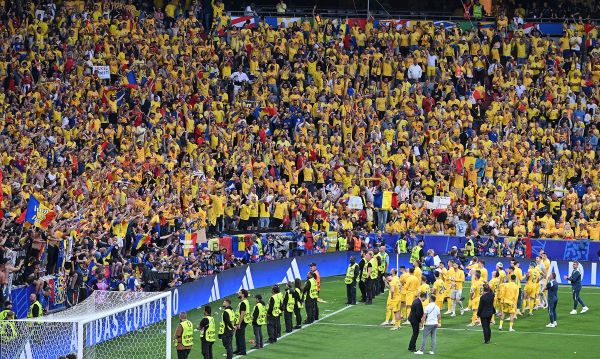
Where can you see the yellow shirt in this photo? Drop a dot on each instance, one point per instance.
(411, 284)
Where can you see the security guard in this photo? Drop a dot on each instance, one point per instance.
(289, 303)
(273, 314)
(350, 281)
(342, 244)
(373, 271)
(311, 294)
(383, 261)
(368, 270)
(402, 245)
(469, 250)
(208, 333)
(184, 336)
(8, 330)
(242, 319)
(362, 270)
(259, 318)
(417, 252)
(299, 303)
(7, 309)
(226, 328)
(35, 309)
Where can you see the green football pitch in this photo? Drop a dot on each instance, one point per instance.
(354, 331)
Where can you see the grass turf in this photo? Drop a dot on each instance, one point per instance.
(354, 331)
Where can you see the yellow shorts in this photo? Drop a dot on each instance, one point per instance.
(531, 290)
(509, 308)
(430, 71)
(403, 298)
(393, 305)
(410, 297)
(474, 305)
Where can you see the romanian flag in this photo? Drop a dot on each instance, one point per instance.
(140, 240)
(188, 240)
(106, 257)
(385, 200)
(131, 80)
(37, 214)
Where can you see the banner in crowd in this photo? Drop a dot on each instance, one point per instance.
(56, 299)
(581, 250)
(546, 29)
(103, 72)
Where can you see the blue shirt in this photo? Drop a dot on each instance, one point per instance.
(575, 280)
(552, 287)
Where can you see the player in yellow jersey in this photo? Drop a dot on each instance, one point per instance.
(403, 275)
(412, 284)
(544, 265)
(444, 276)
(424, 288)
(494, 286)
(509, 301)
(500, 270)
(457, 278)
(418, 272)
(392, 315)
(532, 286)
(476, 292)
(516, 268)
(471, 267)
(483, 270)
(439, 290)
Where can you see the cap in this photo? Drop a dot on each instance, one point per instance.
(313, 264)
(499, 265)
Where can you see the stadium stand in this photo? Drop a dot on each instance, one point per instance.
(126, 131)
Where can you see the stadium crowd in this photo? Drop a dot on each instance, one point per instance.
(207, 125)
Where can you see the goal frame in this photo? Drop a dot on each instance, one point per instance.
(82, 321)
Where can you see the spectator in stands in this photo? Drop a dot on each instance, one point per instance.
(193, 139)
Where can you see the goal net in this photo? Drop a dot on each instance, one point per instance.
(123, 325)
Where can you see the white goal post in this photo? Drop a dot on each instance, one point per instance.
(124, 325)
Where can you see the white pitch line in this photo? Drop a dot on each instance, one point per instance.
(297, 330)
(461, 329)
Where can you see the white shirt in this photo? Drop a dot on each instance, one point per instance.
(431, 314)
(414, 72)
(239, 76)
(431, 59)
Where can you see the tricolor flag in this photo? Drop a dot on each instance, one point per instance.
(38, 214)
(240, 21)
(276, 22)
(188, 240)
(446, 24)
(130, 80)
(529, 26)
(385, 200)
(140, 240)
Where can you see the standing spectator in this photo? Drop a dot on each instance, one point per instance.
(281, 7)
(431, 318)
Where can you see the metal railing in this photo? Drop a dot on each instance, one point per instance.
(300, 11)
